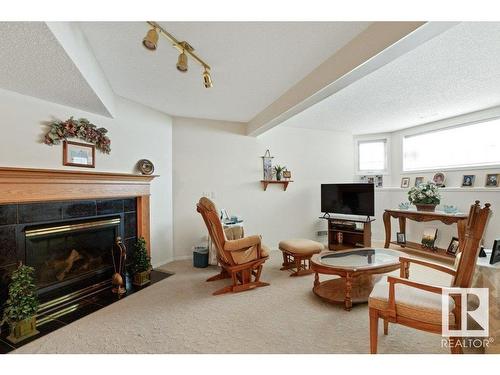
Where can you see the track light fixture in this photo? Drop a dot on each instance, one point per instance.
(207, 80)
(151, 40)
(182, 62)
(151, 43)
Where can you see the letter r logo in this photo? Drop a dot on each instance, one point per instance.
(474, 311)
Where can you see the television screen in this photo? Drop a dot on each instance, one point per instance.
(348, 199)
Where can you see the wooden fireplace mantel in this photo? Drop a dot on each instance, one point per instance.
(22, 185)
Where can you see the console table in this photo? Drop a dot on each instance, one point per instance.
(422, 216)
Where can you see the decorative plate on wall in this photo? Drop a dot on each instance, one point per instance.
(145, 166)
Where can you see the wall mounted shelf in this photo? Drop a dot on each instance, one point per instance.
(285, 183)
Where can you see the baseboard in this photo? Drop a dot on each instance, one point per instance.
(190, 256)
(182, 257)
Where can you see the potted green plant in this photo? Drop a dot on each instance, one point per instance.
(425, 196)
(140, 265)
(21, 305)
(278, 171)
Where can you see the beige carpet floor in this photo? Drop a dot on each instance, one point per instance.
(179, 315)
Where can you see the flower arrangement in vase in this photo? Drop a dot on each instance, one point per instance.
(425, 196)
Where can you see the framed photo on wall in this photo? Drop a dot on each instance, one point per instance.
(419, 180)
(405, 182)
(439, 179)
(468, 180)
(492, 180)
(78, 154)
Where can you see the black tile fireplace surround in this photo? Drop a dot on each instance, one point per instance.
(19, 221)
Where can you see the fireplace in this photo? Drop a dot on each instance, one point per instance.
(66, 253)
(68, 243)
(46, 214)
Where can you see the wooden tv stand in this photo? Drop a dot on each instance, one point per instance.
(352, 236)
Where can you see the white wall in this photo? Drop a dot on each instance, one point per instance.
(391, 195)
(216, 157)
(136, 132)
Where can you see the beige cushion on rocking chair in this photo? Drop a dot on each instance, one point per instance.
(411, 302)
(250, 254)
(235, 242)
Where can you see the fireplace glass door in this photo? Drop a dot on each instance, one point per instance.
(69, 252)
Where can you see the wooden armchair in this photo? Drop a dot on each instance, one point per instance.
(241, 259)
(418, 305)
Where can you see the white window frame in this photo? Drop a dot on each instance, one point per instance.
(368, 139)
(439, 168)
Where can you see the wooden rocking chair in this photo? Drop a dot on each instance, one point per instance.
(241, 259)
(418, 305)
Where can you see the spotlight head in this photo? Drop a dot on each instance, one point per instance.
(150, 41)
(182, 62)
(207, 80)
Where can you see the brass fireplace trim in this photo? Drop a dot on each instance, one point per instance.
(71, 227)
(52, 309)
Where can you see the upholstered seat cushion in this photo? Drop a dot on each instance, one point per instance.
(243, 249)
(301, 246)
(411, 302)
(244, 256)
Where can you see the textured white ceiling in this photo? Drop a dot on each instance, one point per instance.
(252, 63)
(32, 62)
(455, 73)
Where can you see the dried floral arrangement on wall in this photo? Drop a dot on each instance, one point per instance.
(82, 129)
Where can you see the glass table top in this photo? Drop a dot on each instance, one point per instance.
(360, 258)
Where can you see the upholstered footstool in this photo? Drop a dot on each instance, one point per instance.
(297, 255)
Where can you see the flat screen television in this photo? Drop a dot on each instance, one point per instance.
(348, 199)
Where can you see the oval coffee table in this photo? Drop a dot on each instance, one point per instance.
(358, 270)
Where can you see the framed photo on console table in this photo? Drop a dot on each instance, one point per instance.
(78, 154)
(429, 238)
(453, 246)
(495, 252)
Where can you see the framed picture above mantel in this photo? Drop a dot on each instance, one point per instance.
(77, 154)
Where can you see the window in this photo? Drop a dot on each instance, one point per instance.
(469, 145)
(372, 156)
